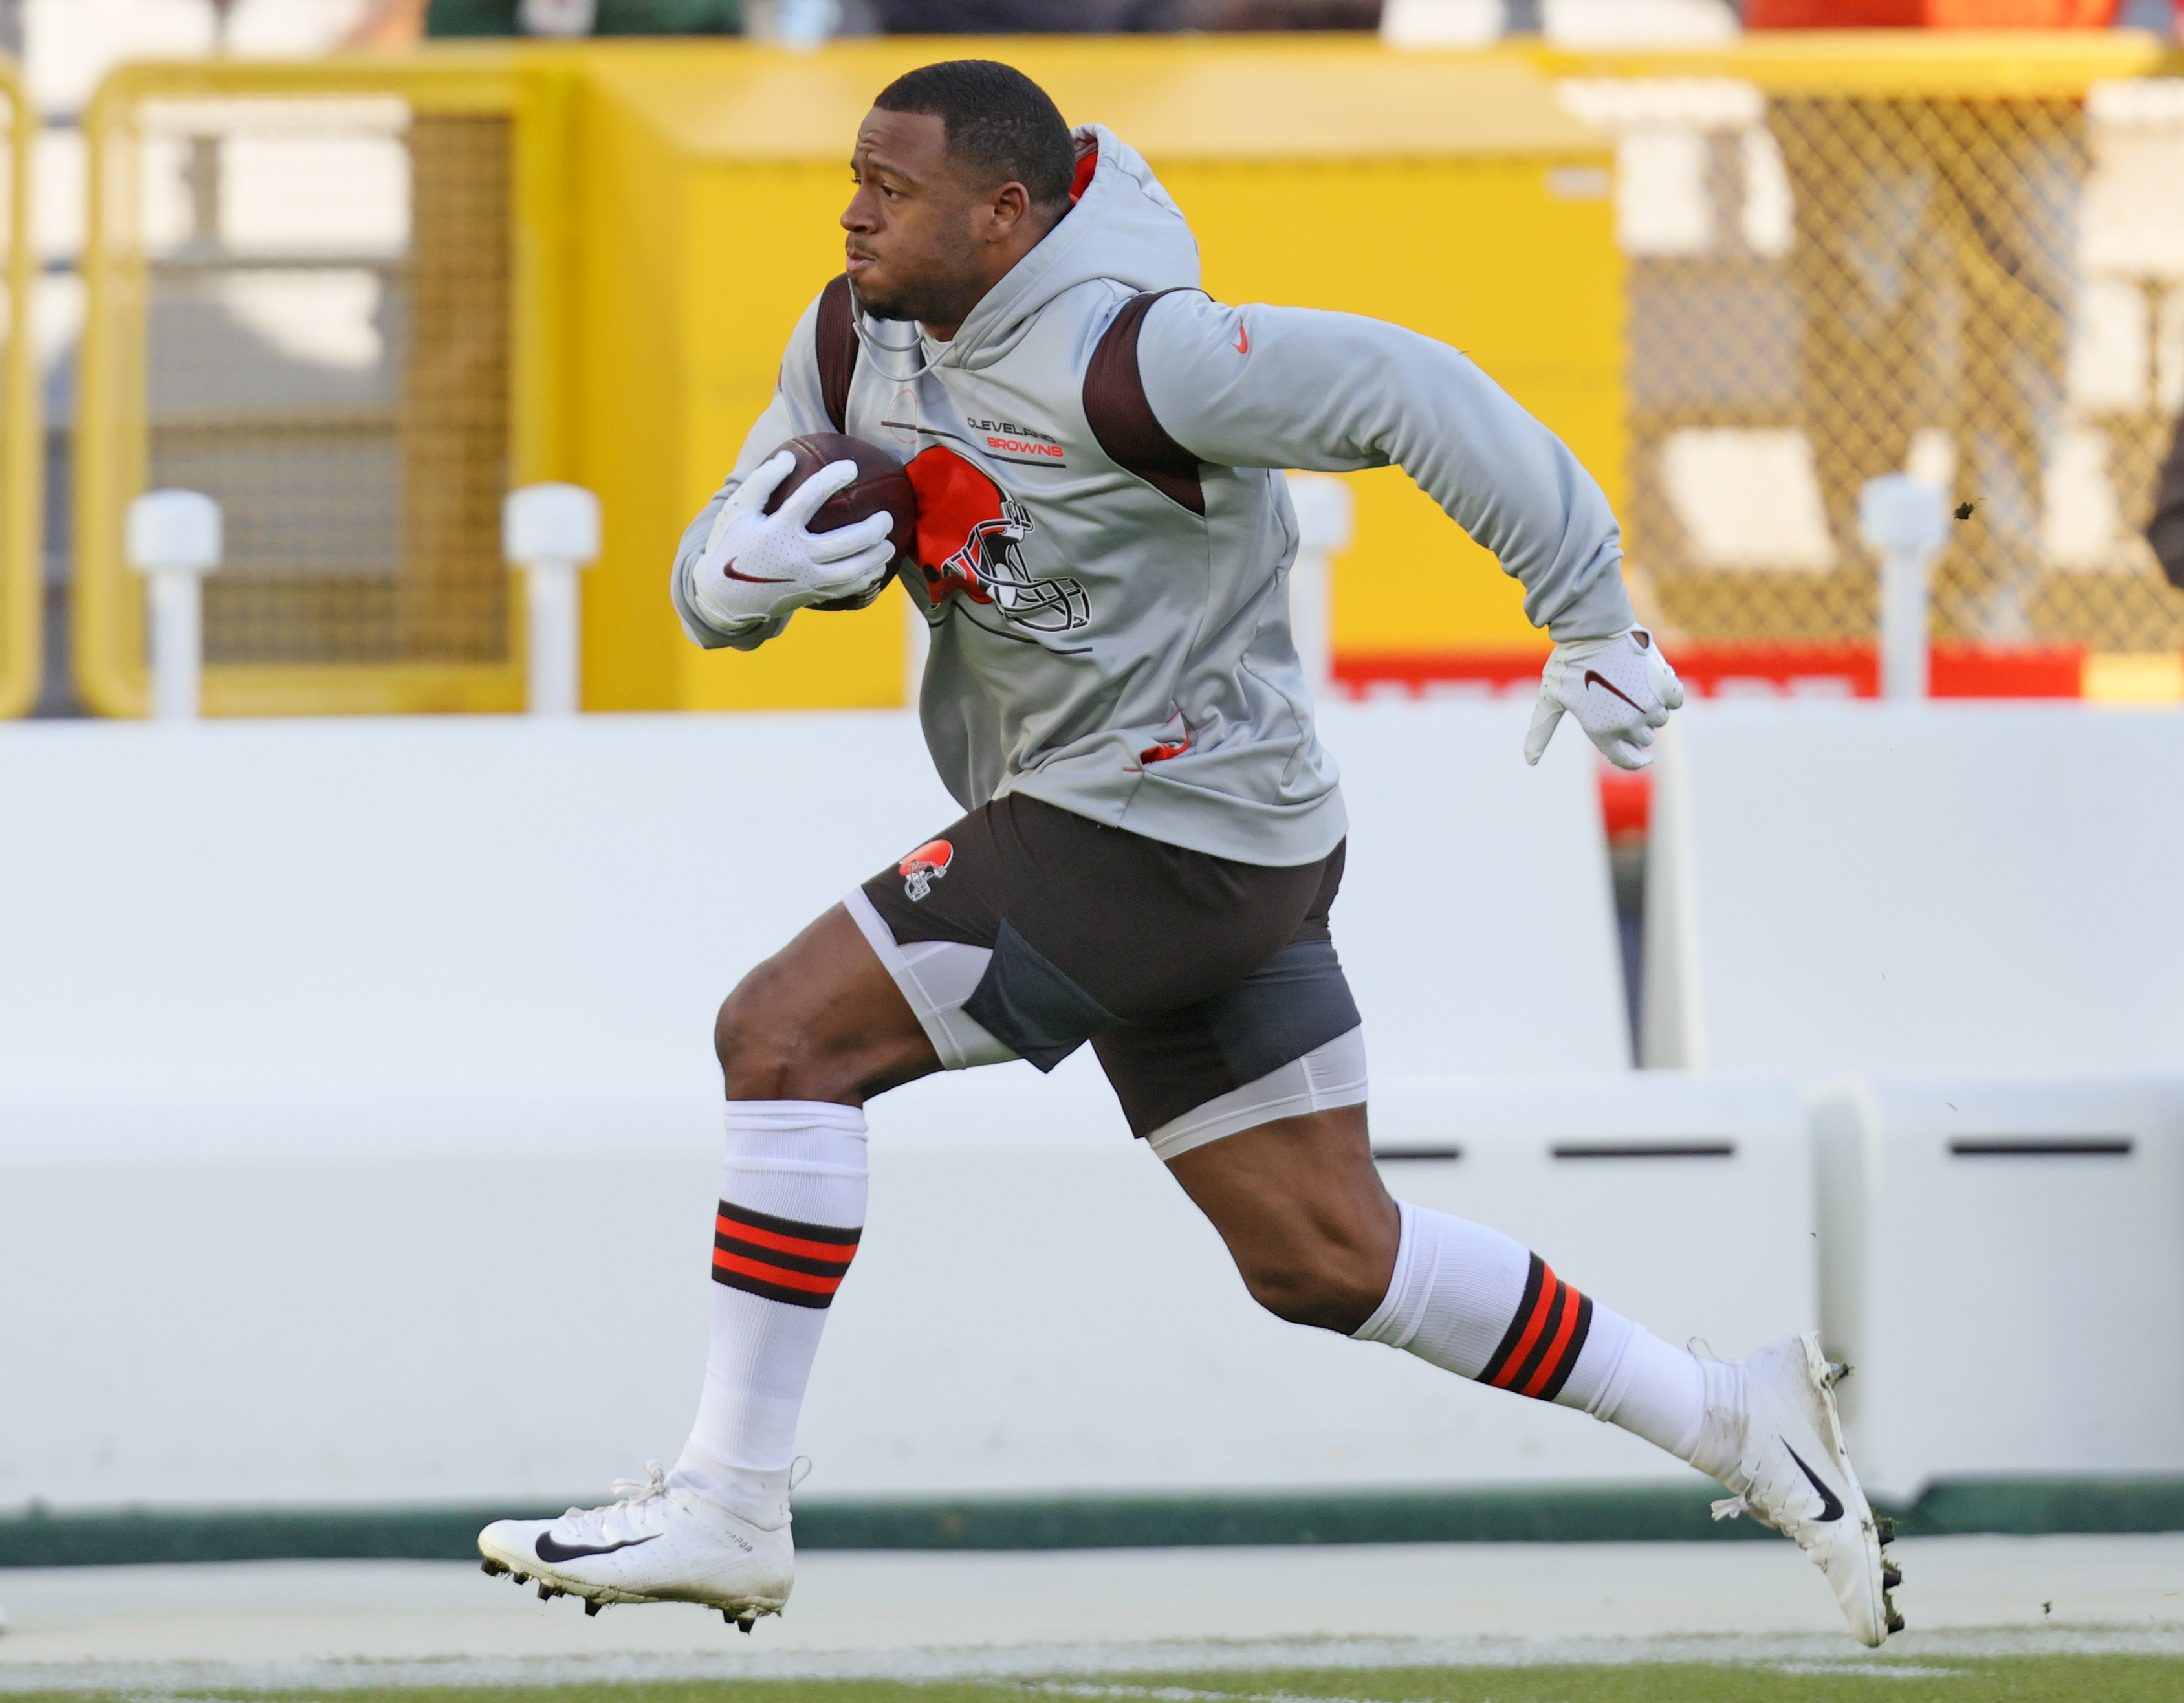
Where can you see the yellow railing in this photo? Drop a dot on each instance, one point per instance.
(330, 296)
(22, 450)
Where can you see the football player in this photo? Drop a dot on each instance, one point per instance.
(1153, 836)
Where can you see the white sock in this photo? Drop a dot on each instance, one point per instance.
(792, 1207)
(1477, 1303)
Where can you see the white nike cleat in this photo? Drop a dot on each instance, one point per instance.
(663, 1541)
(1791, 1473)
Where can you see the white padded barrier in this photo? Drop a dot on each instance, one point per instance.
(1131, 1356)
(2004, 1268)
(1684, 1202)
(1035, 1308)
(358, 1127)
(1834, 888)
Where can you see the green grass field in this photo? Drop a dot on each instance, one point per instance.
(1986, 1679)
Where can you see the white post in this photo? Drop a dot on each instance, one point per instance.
(1322, 502)
(551, 531)
(173, 539)
(1906, 521)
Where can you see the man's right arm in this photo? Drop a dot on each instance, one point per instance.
(796, 409)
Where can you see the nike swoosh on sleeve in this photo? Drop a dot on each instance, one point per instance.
(548, 1548)
(1831, 1509)
(1242, 344)
(728, 572)
(1593, 677)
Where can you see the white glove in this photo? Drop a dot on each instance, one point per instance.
(756, 566)
(1618, 689)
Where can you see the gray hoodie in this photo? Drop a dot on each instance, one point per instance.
(1096, 643)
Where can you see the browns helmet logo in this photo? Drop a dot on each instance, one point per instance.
(969, 541)
(925, 866)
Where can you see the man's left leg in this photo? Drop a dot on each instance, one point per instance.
(805, 1039)
(1319, 1241)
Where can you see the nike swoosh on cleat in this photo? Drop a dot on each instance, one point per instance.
(1830, 1508)
(550, 1549)
(1593, 677)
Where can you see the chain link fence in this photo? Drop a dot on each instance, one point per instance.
(328, 357)
(1985, 291)
(305, 308)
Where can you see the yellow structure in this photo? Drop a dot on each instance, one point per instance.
(1448, 192)
(667, 210)
(329, 295)
(22, 450)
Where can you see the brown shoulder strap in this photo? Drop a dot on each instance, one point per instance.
(837, 350)
(1121, 418)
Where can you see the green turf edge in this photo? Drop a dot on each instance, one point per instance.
(1530, 1515)
(2044, 1678)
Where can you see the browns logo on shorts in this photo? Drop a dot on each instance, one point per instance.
(925, 866)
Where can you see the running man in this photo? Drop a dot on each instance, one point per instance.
(1154, 836)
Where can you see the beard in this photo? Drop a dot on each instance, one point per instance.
(919, 301)
(937, 294)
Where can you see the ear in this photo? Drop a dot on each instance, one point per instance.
(1007, 209)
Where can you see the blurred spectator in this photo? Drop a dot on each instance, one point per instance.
(397, 23)
(1112, 17)
(2165, 531)
(1970, 202)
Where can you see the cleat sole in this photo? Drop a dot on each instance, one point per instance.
(491, 1568)
(742, 1611)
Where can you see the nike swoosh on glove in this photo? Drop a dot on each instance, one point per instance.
(756, 566)
(1619, 689)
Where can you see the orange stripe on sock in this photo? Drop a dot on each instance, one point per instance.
(1554, 1355)
(724, 1261)
(833, 1252)
(1549, 1286)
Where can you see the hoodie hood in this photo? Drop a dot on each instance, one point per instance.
(1123, 226)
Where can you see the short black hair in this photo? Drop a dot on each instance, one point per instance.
(997, 120)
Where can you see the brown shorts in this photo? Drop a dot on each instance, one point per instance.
(1194, 977)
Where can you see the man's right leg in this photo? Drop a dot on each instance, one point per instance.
(804, 1041)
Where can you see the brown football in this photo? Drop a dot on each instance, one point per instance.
(881, 486)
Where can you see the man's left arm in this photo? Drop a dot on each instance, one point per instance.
(1273, 387)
